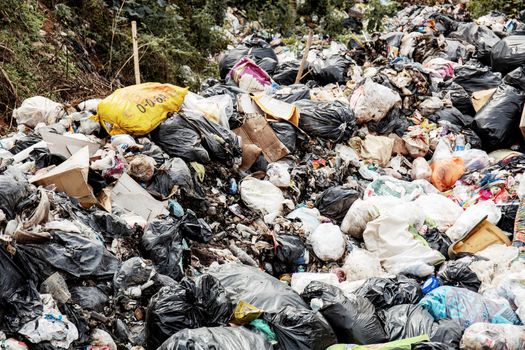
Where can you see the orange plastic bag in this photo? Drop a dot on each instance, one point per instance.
(446, 172)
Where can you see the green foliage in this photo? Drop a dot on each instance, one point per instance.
(481, 7)
(375, 13)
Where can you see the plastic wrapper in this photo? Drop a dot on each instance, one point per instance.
(389, 186)
(332, 121)
(218, 338)
(466, 307)
(249, 76)
(202, 302)
(480, 336)
(497, 123)
(353, 318)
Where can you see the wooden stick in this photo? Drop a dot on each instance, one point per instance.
(305, 56)
(135, 51)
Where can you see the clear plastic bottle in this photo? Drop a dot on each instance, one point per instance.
(460, 143)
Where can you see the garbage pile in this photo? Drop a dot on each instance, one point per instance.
(375, 202)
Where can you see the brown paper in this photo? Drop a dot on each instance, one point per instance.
(257, 131)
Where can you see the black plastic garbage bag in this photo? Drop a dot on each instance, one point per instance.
(196, 139)
(109, 225)
(12, 191)
(267, 64)
(25, 142)
(459, 97)
(89, 298)
(393, 122)
(516, 78)
(331, 70)
(475, 78)
(354, 320)
(301, 329)
(407, 321)
(43, 158)
(171, 176)
(387, 292)
(287, 134)
(497, 122)
(438, 240)
(333, 121)
(216, 338)
(193, 303)
(290, 249)
(508, 216)
(194, 228)
(258, 288)
(481, 37)
(70, 253)
(453, 116)
(256, 53)
(335, 201)
(133, 272)
(19, 298)
(472, 138)
(429, 345)
(286, 73)
(508, 53)
(222, 89)
(162, 243)
(457, 273)
(455, 50)
(292, 93)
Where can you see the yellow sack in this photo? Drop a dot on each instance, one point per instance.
(138, 109)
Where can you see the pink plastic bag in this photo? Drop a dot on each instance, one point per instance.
(249, 76)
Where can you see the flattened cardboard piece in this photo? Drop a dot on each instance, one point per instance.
(67, 146)
(70, 177)
(130, 196)
(480, 98)
(277, 109)
(256, 130)
(250, 153)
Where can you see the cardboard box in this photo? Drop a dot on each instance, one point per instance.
(70, 177)
(130, 196)
(66, 145)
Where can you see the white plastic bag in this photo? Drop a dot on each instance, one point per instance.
(361, 264)
(124, 141)
(372, 101)
(310, 218)
(101, 340)
(215, 108)
(440, 210)
(442, 151)
(328, 242)
(389, 237)
(363, 211)
(52, 326)
(302, 279)
(278, 174)
(473, 215)
(420, 169)
(262, 196)
(38, 109)
(481, 336)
